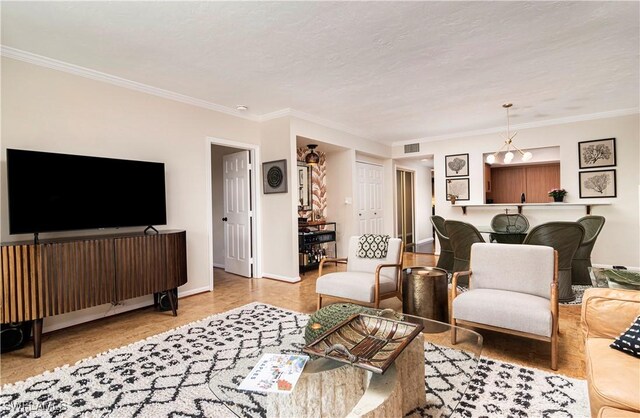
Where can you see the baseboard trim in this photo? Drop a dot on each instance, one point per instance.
(190, 292)
(218, 266)
(282, 278)
(111, 310)
(127, 305)
(424, 241)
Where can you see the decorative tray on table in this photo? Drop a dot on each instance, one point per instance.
(367, 341)
(614, 278)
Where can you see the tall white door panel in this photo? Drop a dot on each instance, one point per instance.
(369, 198)
(237, 213)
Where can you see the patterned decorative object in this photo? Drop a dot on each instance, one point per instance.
(319, 183)
(629, 341)
(370, 342)
(169, 375)
(373, 246)
(325, 318)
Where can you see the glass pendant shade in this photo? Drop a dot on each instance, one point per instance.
(312, 158)
(508, 157)
(527, 156)
(491, 159)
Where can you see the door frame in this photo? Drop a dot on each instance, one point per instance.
(255, 179)
(397, 168)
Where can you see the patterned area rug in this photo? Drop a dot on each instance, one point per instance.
(168, 375)
(578, 290)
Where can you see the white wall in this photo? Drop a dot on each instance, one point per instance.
(619, 241)
(340, 187)
(279, 210)
(49, 110)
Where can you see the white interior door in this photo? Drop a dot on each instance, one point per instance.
(369, 198)
(237, 213)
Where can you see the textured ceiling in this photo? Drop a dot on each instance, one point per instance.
(392, 71)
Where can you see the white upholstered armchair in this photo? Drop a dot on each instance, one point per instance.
(367, 280)
(512, 289)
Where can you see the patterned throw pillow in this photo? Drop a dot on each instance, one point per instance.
(373, 246)
(629, 341)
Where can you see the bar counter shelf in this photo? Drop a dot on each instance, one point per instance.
(520, 206)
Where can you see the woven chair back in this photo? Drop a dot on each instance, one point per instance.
(513, 222)
(445, 260)
(462, 235)
(582, 258)
(564, 237)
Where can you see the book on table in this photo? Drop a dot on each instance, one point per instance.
(276, 373)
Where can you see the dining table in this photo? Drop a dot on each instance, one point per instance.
(508, 236)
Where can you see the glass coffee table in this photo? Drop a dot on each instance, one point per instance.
(616, 279)
(449, 371)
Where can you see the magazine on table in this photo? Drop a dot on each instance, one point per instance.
(276, 373)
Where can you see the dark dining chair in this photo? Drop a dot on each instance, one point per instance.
(565, 238)
(445, 260)
(509, 222)
(582, 258)
(461, 235)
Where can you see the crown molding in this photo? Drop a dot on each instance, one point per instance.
(529, 125)
(320, 121)
(275, 115)
(54, 64)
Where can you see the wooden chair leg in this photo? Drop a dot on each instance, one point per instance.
(319, 301)
(453, 332)
(554, 352)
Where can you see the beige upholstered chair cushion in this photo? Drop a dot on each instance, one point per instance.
(505, 309)
(518, 268)
(358, 282)
(353, 285)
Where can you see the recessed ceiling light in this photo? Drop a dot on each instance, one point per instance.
(242, 107)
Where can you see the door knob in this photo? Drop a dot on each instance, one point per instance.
(224, 219)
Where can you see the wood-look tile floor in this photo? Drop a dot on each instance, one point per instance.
(67, 346)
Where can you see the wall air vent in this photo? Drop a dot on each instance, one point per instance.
(411, 148)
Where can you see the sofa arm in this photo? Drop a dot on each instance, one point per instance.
(608, 312)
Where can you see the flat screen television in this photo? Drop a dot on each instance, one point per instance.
(62, 192)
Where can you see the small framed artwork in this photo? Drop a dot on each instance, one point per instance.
(456, 165)
(597, 183)
(598, 153)
(458, 188)
(274, 177)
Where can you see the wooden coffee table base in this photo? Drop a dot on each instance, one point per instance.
(329, 388)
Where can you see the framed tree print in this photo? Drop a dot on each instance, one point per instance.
(598, 153)
(597, 183)
(456, 165)
(458, 188)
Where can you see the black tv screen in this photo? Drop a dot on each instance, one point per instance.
(61, 192)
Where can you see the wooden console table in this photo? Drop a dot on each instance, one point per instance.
(65, 275)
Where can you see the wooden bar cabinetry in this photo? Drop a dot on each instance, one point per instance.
(59, 276)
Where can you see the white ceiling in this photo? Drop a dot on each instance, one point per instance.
(392, 71)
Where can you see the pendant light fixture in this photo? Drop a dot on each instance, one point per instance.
(508, 143)
(312, 158)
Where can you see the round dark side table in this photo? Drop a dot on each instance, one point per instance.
(425, 293)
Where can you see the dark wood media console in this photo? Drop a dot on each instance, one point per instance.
(65, 275)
